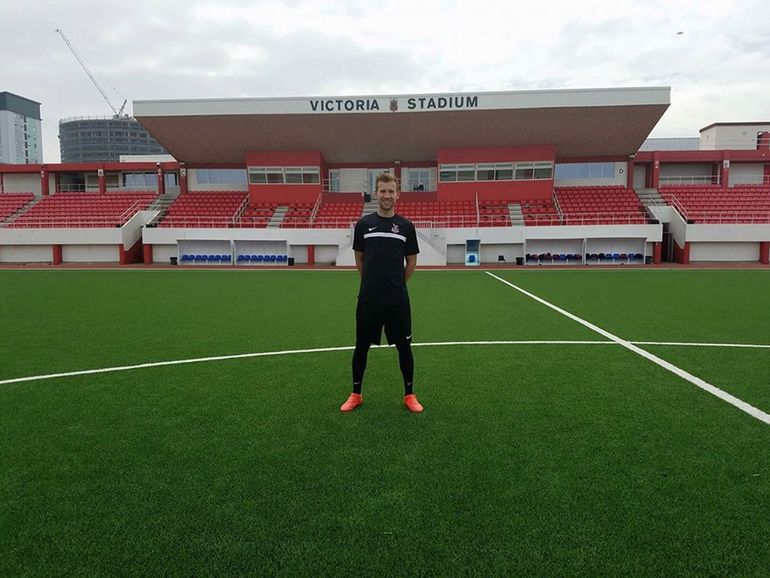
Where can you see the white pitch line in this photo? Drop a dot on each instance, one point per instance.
(697, 381)
(556, 342)
(175, 362)
(541, 342)
(685, 344)
(272, 353)
(350, 348)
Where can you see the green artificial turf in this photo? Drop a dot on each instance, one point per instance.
(554, 460)
(743, 373)
(713, 306)
(69, 320)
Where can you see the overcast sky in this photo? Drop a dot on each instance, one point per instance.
(718, 69)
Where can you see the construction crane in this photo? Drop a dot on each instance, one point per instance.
(116, 111)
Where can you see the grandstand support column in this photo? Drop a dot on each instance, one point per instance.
(161, 180)
(102, 181)
(182, 179)
(725, 174)
(57, 255)
(44, 182)
(764, 252)
(657, 253)
(147, 254)
(398, 174)
(682, 254)
(57, 181)
(311, 255)
(630, 173)
(655, 180)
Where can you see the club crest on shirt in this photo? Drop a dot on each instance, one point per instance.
(395, 229)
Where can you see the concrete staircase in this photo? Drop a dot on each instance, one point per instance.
(655, 207)
(517, 217)
(13, 216)
(370, 207)
(649, 197)
(277, 218)
(160, 204)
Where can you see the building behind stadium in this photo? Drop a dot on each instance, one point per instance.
(530, 178)
(104, 139)
(20, 130)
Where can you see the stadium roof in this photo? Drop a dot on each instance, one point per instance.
(581, 123)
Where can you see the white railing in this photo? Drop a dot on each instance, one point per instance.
(584, 219)
(144, 189)
(241, 208)
(76, 189)
(453, 221)
(556, 203)
(326, 187)
(403, 187)
(721, 216)
(63, 223)
(251, 222)
(542, 219)
(316, 207)
(423, 222)
(671, 199)
(319, 223)
(734, 143)
(708, 180)
(131, 211)
(198, 222)
(94, 189)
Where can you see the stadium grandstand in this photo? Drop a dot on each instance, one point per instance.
(524, 177)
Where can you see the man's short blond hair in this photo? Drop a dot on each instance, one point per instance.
(385, 178)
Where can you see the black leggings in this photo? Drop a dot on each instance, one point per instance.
(405, 361)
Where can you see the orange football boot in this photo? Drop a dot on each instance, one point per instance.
(353, 402)
(410, 401)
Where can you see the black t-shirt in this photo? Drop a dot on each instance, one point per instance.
(385, 242)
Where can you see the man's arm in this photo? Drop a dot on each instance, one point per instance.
(411, 250)
(411, 263)
(359, 262)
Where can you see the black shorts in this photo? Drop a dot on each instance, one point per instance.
(372, 317)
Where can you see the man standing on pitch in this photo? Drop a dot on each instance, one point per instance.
(383, 242)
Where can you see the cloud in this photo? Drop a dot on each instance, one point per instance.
(718, 69)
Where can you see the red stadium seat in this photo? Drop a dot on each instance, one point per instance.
(64, 210)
